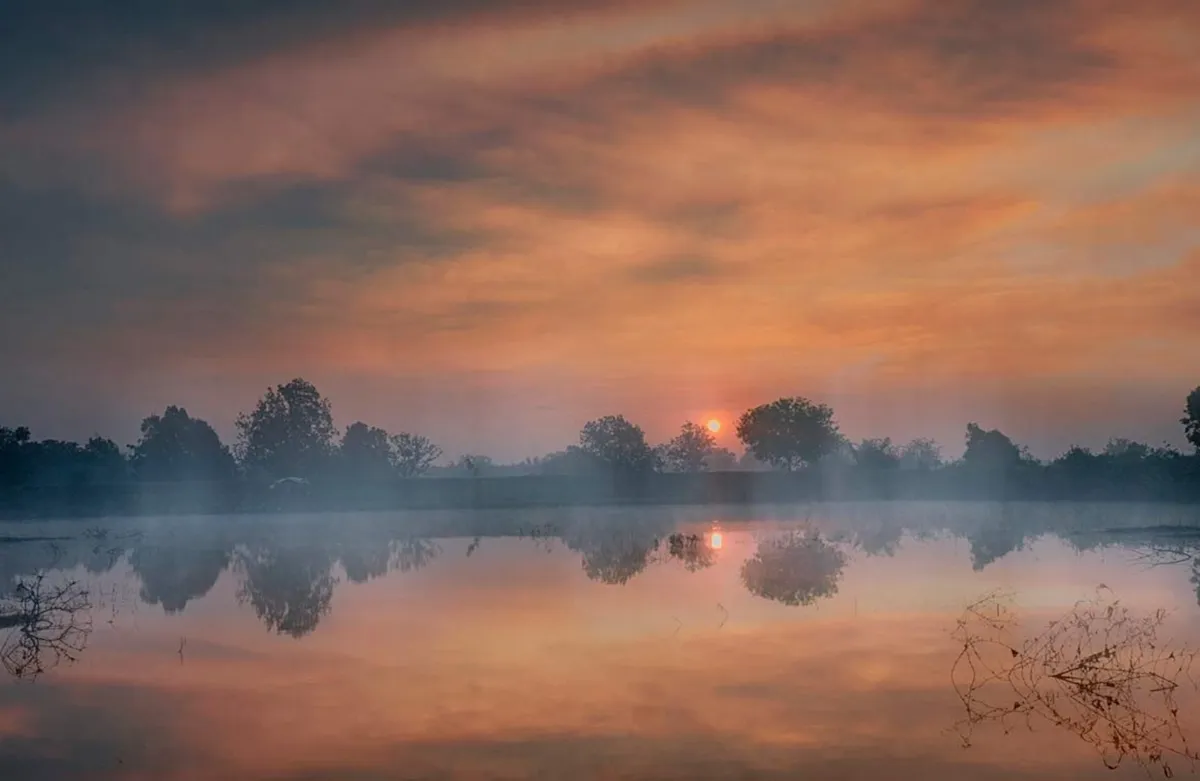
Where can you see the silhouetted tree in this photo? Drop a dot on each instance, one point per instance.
(1078, 463)
(175, 446)
(573, 461)
(413, 454)
(690, 450)
(55, 462)
(921, 454)
(797, 568)
(990, 450)
(618, 444)
(721, 459)
(105, 461)
(789, 432)
(1191, 418)
(876, 454)
(14, 455)
(366, 452)
(749, 463)
(1127, 450)
(289, 433)
(472, 465)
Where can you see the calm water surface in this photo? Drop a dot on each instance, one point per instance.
(809, 642)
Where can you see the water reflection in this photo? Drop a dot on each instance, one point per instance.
(286, 571)
(808, 644)
(289, 588)
(173, 575)
(614, 550)
(795, 568)
(1100, 671)
(693, 551)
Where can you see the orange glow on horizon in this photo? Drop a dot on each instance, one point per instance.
(716, 541)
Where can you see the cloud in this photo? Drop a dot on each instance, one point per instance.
(766, 197)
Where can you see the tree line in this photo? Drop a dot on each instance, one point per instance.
(290, 433)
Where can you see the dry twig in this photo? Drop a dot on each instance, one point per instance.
(1099, 671)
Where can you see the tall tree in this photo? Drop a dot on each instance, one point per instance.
(413, 454)
(990, 450)
(722, 459)
(618, 444)
(789, 432)
(690, 450)
(289, 433)
(104, 461)
(14, 455)
(876, 454)
(1127, 451)
(366, 452)
(473, 465)
(175, 446)
(921, 454)
(574, 461)
(1191, 418)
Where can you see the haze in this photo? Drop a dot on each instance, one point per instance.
(495, 225)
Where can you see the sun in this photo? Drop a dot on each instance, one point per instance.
(714, 425)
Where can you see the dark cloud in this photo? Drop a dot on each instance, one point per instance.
(73, 48)
(959, 57)
(675, 270)
(79, 268)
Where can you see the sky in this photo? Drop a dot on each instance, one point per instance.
(490, 222)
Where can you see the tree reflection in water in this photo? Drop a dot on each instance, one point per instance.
(173, 575)
(615, 549)
(49, 624)
(1099, 671)
(796, 568)
(692, 550)
(413, 553)
(290, 588)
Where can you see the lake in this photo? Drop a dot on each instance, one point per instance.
(869, 641)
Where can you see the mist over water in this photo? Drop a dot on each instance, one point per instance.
(763, 642)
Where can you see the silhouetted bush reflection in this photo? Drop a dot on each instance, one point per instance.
(374, 558)
(691, 550)
(796, 568)
(173, 575)
(615, 549)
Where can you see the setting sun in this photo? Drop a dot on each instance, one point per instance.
(714, 425)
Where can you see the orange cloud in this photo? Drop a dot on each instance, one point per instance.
(696, 199)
